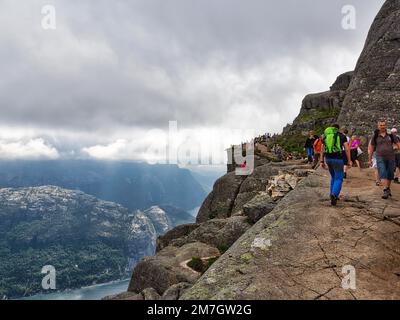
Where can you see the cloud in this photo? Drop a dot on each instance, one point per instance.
(33, 149)
(111, 151)
(113, 69)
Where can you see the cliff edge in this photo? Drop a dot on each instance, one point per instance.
(300, 249)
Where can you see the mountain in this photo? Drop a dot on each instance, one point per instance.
(206, 176)
(375, 86)
(86, 239)
(133, 185)
(318, 110)
(273, 234)
(164, 217)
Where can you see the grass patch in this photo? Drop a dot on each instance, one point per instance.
(319, 115)
(200, 265)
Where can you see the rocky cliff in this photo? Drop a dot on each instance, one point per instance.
(318, 110)
(374, 91)
(232, 208)
(273, 234)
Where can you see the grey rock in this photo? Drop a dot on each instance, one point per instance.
(150, 294)
(176, 291)
(258, 207)
(374, 92)
(175, 233)
(220, 201)
(168, 267)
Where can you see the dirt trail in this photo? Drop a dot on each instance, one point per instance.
(313, 245)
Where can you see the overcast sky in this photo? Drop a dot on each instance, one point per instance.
(112, 73)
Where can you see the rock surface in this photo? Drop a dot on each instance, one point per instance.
(374, 91)
(168, 267)
(217, 228)
(299, 250)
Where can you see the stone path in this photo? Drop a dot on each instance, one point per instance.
(314, 248)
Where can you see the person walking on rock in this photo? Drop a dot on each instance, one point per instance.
(309, 146)
(384, 144)
(334, 143)
(355, 151)
(397, 155)
(317, 151)
(346, 164)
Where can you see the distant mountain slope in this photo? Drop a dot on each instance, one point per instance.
(206, 175)
(133, 185)
(86, 239)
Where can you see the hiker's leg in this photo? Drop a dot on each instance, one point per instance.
(316, 159)
(339, 175)
(332, 173)
(391, 167)
(381, 166)
(309, 154)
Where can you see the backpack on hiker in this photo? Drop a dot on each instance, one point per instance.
(332, 141)
(376, 135)
(318, 145)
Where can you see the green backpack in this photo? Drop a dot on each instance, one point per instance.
(332, 141)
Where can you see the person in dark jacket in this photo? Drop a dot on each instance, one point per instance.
(309, 146)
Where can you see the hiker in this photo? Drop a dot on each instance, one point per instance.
(346, 163)
(384, 144)
(374, 164)
(317, 150)
(397, 155)
(332, 153)
(309, 146)
(355, 150)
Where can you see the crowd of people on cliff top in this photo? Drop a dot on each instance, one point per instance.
(336, 151)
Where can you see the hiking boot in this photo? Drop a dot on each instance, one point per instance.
(378, 183)
(396, 180)
(386, 194)
(334, 200)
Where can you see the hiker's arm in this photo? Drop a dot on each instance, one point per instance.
(370, 151)
(322, 158)
(347, 148)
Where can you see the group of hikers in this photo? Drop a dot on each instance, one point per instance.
(338, 152)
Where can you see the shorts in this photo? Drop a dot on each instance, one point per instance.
(344, 156)
(354, 155)
(386, 168)
(374, 163)
(398, 160)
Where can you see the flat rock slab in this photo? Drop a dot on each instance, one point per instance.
(307, 249)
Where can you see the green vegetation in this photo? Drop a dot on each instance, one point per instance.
(223, 248)
(199, 265)
(76, 266)
(318, 115)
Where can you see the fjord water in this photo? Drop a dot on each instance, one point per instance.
(96, 292)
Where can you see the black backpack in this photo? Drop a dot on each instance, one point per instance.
(376, 135)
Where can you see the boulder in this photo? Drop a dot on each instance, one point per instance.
(150, 294)
(220, 201)
(176, 291)
(168, 267)
(258, 207)
(176, 233)
(219, 233)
